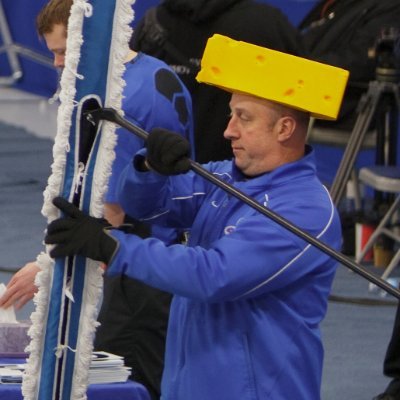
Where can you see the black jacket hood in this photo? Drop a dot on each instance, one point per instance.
(199, 10)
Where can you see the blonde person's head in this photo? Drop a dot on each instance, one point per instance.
(55, 12)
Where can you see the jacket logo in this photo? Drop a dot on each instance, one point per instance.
(229, 229)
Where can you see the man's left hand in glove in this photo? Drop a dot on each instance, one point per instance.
(78, 233)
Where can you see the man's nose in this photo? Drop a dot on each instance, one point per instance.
(230, 130)
(58, 61)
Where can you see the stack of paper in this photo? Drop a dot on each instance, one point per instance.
(107, 368)
(11, 373)
(7, 315)
(104, 368)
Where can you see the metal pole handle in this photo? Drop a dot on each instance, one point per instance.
(111, 115)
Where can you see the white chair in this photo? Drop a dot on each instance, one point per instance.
(384, 179)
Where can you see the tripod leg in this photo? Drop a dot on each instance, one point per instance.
(368, 106)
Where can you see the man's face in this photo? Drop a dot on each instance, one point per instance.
(56, 42)
(253, 134)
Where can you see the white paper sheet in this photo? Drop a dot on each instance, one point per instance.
(7, 315)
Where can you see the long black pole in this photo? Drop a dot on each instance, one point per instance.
(111, 115)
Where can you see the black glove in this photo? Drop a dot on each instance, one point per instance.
(167, 152)
(136, 227)
(78, 233)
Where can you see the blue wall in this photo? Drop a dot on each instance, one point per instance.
(42, 80)
(20, 15)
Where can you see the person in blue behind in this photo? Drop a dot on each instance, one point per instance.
(248, 294)
(133, 316)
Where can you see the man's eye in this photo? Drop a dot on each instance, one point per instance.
(240, 115)
(244, 117)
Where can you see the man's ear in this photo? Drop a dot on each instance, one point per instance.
(285, 126)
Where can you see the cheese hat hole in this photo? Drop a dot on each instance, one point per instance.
(289, 92)
(260, 59)
(215, 70)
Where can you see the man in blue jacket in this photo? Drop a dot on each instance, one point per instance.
(248, 294)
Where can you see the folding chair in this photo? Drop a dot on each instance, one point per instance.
(384, 179)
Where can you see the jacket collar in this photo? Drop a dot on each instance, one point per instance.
(304, 167)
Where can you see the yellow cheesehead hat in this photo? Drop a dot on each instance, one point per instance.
(290, 80)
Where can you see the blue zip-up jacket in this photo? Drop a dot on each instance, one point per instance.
(249, 295)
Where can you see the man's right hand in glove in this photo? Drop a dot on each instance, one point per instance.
(167, 152)
(78, 233)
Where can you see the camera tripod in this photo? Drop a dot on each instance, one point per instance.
(382, 101)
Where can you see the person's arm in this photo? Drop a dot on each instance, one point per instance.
(114, 214)
(255, 257)
(21, 287)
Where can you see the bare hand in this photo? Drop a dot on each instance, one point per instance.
(114, 214)
(21, 287)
